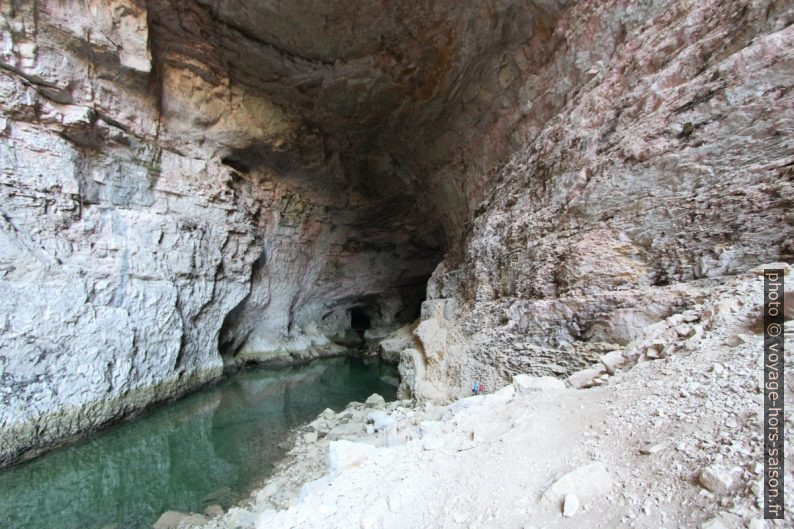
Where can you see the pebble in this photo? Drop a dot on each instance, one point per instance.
(570, 505)
(717, 479)
(653, 449)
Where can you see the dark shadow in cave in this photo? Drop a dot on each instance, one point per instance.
(359, 321)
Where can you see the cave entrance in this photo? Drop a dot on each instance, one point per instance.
(359, 321)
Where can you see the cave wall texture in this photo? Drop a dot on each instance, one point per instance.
(185, 184)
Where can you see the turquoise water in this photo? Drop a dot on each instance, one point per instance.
(210, 447)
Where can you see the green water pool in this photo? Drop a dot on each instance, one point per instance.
(211, 447)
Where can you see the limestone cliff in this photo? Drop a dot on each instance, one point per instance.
(185, 184)
(656, 151)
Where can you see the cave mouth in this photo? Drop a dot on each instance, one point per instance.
(359, 322)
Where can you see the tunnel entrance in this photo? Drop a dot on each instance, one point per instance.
(359, 322)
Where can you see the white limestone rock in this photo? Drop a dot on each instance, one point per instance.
(175, 519)
(586, 377)
(375, 401)
(343, 455)
(391, 347)
(570, 505)
(589, 482)
(719, 480)
(613, 361)
(380, 420)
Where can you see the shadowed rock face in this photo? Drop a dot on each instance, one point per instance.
(383, 94)
(378, 98)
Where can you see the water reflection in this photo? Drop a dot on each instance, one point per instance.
(211, 447)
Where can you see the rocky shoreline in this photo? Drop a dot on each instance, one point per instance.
(655, 438)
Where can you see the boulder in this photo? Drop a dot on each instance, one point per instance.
(430, 427)
(380, 420)
(240, 518)
(375, 401)
(313, 486)
(588, 483)
(719, 480)
(173, 519)
(347, 430)
(613, 361)
(586, 377)
(214, 511)
(391, 347)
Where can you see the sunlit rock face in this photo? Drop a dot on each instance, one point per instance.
(188, 184)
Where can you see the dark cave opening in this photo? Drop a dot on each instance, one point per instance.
(359, 321)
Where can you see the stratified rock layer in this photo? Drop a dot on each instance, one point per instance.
(666, 158)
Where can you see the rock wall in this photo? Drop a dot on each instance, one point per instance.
(168, 197)
(191, 184)
(656, 152)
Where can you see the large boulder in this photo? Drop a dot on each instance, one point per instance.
(391, 347)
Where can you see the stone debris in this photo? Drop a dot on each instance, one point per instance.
(672, 442)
